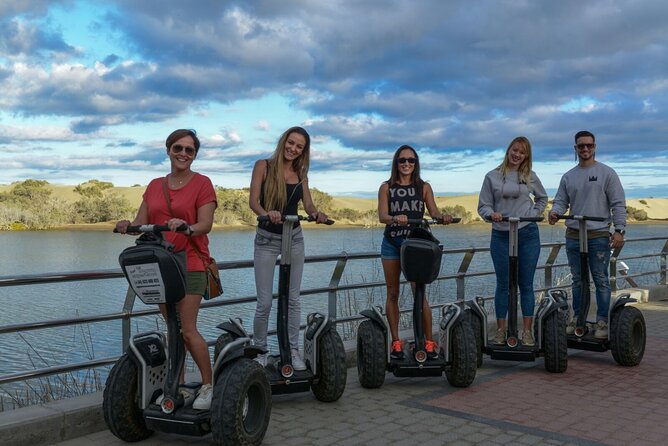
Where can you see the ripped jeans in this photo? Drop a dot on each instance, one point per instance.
(599, 263)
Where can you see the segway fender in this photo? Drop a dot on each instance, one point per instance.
(374, 315)
(234, 327)
(238, 348)
(477, 306)
(148, 351)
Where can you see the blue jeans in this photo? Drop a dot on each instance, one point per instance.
(599, 261)
(528, 251)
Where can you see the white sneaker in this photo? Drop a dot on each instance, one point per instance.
(262, 359)
(203, 401)
(601, 330)
(297, 362)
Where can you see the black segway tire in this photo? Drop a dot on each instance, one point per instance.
(473, 321)
(371, 355)
(241, 404)
(461, 370)
(221, 342)
(628, 335)
(120, 402)
(332, 372)
(555, 343)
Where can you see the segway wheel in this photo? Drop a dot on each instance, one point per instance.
(627, 336)
(221, 342)
(473, 321)
(555, 343)
(371, 355)
(461, 370)
(120, 403)
(332, 374)
(241, 404)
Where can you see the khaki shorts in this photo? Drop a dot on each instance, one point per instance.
(196, 283)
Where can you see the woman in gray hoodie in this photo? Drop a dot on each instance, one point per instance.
(506, 192)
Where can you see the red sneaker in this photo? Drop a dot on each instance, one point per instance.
(397, 349)
(431, 349)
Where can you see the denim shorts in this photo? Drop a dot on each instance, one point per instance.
(389, 250)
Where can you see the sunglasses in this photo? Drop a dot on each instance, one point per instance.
(585, 146)
(178, 148)
(407, 160)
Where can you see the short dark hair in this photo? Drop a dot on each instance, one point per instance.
(180, 133)
(582, 133)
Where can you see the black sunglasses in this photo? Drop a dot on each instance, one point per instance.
(585, 146)
(406, 160)
(178, 148)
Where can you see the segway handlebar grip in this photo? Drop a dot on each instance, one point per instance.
(431, 221)
(152, 228)
(579, 217)
(262, 218)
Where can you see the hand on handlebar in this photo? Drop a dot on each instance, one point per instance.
(401, 220)
(552, 217)
(275, 217)
(319, 217)
(496, 216)
(176, 224)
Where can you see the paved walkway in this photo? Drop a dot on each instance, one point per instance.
(596, 402)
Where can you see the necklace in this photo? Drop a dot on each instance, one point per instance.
(179, 182)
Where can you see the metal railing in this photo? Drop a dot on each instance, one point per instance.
(127, 313)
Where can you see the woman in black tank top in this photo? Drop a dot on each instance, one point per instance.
(277, 186)
(403, 197)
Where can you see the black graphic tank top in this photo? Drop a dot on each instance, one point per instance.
(404, 200)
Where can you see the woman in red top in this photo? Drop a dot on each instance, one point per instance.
(193, 202)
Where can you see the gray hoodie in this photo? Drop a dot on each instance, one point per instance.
(592, 191)
(511, 198)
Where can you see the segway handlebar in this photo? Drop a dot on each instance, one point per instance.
(294, 218)
(431, 221)
(151, 228)
(579, 217)
(536, 219)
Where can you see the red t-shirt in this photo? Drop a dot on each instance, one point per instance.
(185, 202)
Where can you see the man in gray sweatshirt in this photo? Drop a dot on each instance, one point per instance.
(593, 189)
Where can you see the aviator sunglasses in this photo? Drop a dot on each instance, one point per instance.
(585, 146)
(178, 148)
(407, 160)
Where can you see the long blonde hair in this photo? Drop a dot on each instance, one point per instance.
(524, 170)
(275, 196)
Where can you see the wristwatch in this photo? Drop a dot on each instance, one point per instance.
(621, 231)
(190, 231)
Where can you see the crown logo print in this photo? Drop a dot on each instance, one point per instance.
(593, 178)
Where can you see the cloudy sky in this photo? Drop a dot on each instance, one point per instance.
(91, 89)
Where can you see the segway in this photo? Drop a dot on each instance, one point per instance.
(151, 365)
(324, 353)
(627, 332)
(420, 258)
(549, 322)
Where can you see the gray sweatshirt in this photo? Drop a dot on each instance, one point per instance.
(510, 198)
(592, 191)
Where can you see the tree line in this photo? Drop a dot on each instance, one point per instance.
(30, 205)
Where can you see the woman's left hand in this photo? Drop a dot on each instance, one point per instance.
(320, 217)
(175, 223)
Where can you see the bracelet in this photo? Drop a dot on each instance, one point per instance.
(190, 230)
(394, 219)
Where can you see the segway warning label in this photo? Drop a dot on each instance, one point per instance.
(146, 282)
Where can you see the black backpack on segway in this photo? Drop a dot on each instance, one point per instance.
(241, 403)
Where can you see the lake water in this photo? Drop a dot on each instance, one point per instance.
(64, 251)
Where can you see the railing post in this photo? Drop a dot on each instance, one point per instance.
(613, 269)
(549, 265)
(127, 312)
(662, 264)
(461, 275)
(334, 284)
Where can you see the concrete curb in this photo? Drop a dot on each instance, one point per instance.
(52, 422)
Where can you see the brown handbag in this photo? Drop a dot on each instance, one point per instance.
(214, 288)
